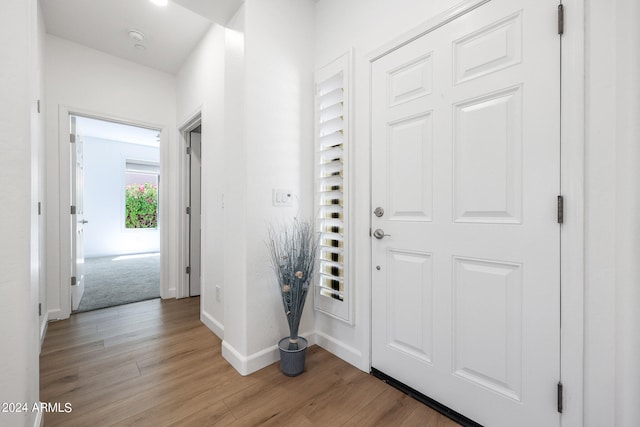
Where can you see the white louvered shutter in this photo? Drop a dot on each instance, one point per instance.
(332, 142)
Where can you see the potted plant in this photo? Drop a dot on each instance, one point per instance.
(293, 257)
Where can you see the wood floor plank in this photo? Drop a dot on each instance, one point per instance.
(339, 405)
(175, 410)
(389, 408)
(214, 415)
(422, 416)
(155, 364)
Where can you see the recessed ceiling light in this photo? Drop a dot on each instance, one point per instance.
(159, 2)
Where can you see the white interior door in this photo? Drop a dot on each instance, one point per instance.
(466, 167)
(195, 239)
(77, 219)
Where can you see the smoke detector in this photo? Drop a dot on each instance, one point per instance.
(136, 35)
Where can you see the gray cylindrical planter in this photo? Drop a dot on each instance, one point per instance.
(292, 361)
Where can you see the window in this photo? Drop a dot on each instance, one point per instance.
(141, 194)
(332, 146)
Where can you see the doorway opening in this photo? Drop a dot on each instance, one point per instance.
(115, 176)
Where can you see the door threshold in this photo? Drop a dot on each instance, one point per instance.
(436, 406)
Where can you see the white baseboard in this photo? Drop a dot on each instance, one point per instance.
(349, 354)
(211, 323)
(170, 293)
(56, 314)
(43, 327)
(235, 359)
(247, 365)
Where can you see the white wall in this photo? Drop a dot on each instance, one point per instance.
(279, 147)
(612, 230)
(200, 87)
(235, 182)
(104, 183)
(267, 142)
(20, 134)
(87, 81)
(627, 310)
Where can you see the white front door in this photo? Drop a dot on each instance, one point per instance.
(77, 219)
(466, 171)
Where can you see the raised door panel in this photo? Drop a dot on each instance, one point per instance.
(488, 158)
(410, 304)
(487, 315)
(410, 168)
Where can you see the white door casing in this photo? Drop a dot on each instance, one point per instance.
(59, 306)
(77, 218)
(466, 166)
(195, 197)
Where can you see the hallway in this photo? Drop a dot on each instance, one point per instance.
(154, 363)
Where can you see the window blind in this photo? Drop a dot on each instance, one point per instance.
(142, 166)
(332, 137)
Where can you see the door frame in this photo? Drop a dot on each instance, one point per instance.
(78, 273)
(193, 121)
(572, 164)
(64, 163)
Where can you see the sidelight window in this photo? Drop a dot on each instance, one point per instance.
(332, 145)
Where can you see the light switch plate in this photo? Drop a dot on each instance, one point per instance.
(282, 197)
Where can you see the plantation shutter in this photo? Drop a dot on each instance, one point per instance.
(332, 139)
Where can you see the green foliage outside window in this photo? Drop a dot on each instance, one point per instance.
(141, 206)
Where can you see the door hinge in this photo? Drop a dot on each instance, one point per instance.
(188, 270)
(560, 396)
(39, 309)
(72, 138)
(188, 151)
(74, 281)
(560, 209)
(39, 208)
(560, 19)
(73, 210)
(38, 106)
(188, 210)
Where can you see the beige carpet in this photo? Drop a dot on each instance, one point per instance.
(121, 279)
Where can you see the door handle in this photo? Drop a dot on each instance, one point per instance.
(379, 234)
(84, 221)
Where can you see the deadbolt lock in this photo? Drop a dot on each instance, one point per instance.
(378, 212)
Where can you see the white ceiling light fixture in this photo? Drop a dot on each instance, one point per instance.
(136, 35)
(161, 3)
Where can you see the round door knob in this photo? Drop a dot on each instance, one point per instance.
(379, 234)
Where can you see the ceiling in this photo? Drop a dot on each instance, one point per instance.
(170, 33)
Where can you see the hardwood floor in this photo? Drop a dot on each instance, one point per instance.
(154, 363)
